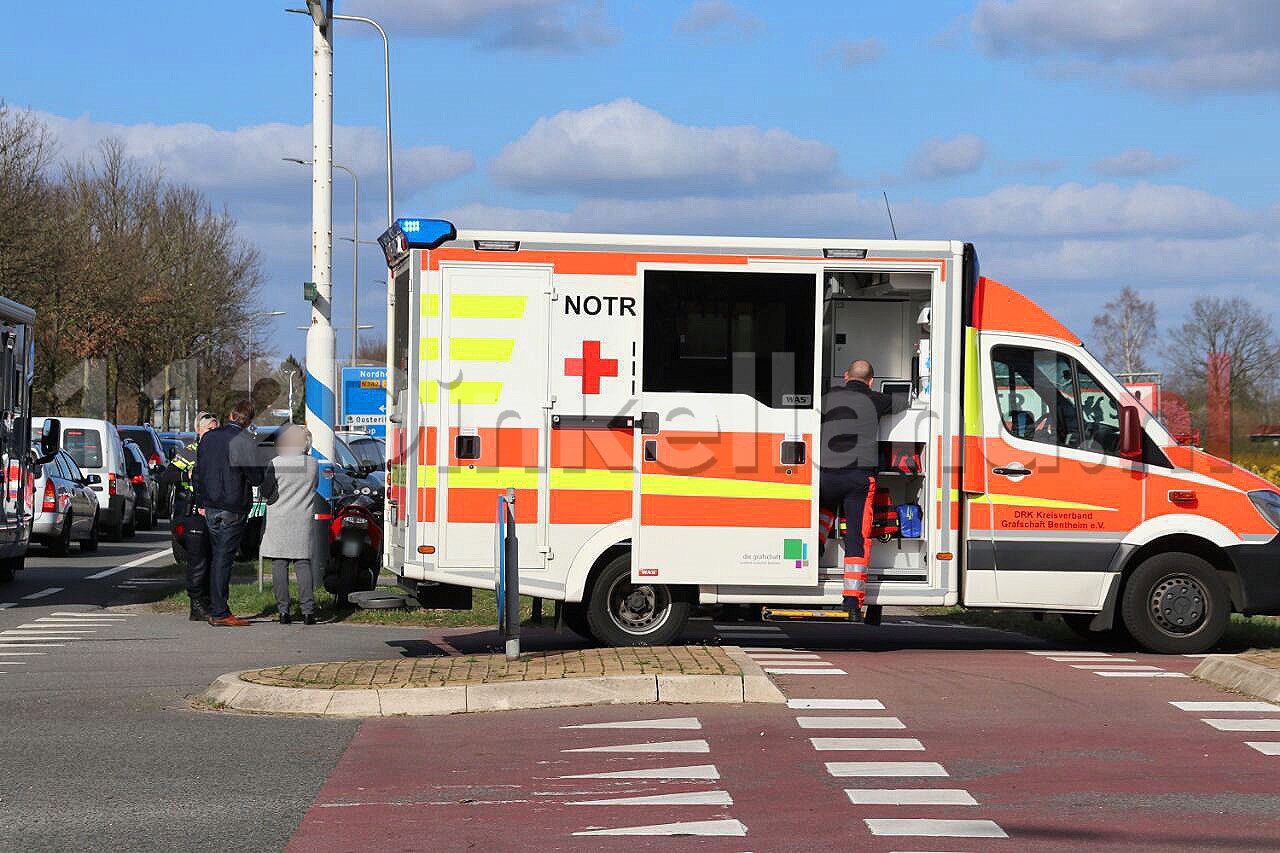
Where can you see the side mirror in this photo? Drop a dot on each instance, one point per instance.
(1130, 433)
(93, 479)
(50, 439)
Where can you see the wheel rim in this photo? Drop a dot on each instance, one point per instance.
(1179, 604)
(638, 609)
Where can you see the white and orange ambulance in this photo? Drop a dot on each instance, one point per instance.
(654, 403)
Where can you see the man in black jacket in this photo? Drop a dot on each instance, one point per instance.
(850, 458)
(227, 469)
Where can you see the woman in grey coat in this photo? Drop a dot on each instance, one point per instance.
(290, 489)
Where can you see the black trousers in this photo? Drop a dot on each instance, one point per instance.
(196, 539)
(845, 491)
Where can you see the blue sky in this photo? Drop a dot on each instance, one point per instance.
(1081, 146)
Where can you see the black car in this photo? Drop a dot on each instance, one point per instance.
(144, 486)
(153, 450)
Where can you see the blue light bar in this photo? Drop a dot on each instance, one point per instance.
(415, 233)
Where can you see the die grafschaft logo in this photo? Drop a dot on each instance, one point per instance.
(793, 550)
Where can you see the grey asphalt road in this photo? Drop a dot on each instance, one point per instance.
(100, 748)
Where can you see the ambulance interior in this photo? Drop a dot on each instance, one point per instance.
(884, 318)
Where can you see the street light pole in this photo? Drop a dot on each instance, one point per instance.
(321, 378)
(386, 75)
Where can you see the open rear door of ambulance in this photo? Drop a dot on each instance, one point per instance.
(729, 425)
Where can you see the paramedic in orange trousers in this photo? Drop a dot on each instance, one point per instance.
(850, 458)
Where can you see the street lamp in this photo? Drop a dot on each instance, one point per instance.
(317, 14)
(355, 229)
(252, 338)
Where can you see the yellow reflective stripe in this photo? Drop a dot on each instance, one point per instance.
(491, 478)
(486, 307)
(714, 487)
(426, 476)
(429, 349)
(592, 478)
(481, 349)
(1019, 500)
(475, 393)
(430, 305)
(427, 391)
(972, 385)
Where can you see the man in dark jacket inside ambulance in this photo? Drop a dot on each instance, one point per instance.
(850, 458)
(227, 469)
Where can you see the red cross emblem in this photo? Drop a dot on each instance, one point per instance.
(591, 367)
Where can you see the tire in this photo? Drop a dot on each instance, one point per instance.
(149, 521)
(128, 530)
(575, 619)
(1078, 623)
(1175, 604)
(622, 614)
(8, 566)
(342, 577)
(59, 546)
(88, 546)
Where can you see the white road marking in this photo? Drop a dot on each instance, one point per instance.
(786, 671)
(727, 827)
(850, 723)
(1225, 706)
(693, 771)
(935, 828)
(759, 656)
(656, 746)
(1266, 747)
(1160, 674)
(875, 744)
(818, 663)
(1102, 667)
(12, 643)
(835, 704)
(668, 723)
(64, 620)
(12, 654)
(769, 649)
(12, 662)
(7, 604)
(1078, 659)
(145, 558)
(1205, 655)
(45, 629)
(1243, 725)
(44, 593)
(17, 636)
(1069, 653)
(910, 797)
(688, 798)
(94, 614)
(913, 769)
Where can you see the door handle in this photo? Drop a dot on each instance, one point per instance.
(1012, 472)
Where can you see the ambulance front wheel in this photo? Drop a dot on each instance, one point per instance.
(620, 613)
(1176, 604)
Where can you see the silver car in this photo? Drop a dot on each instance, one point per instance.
(66, 507)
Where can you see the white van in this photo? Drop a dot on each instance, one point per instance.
(96, 447)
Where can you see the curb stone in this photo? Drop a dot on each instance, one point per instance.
(1240, 676)
(230, 692)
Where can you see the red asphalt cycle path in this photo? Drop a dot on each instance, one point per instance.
(1056, 756)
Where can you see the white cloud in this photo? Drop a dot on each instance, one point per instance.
(851, 54)
(717, 18)
(944, 158)
(550, 26)
(623, 148)
(1032, 166)
(246, 161)
(1136, 162)
(1164, 45)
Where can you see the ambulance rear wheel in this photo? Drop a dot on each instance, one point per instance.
(620, 613)
(1176, 604)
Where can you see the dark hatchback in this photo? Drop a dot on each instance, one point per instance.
(153, 450)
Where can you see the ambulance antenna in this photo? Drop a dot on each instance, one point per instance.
(889, 210)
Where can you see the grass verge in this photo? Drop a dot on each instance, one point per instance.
(1243, 633)
(246, 600)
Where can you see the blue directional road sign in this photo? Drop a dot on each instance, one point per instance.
(364, 399)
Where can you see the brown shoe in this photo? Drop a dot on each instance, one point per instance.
(232, 621)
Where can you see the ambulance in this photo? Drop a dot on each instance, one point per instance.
(653, 403)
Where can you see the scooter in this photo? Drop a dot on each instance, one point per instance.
(355, 545)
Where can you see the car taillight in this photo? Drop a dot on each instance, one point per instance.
(156, 460)
(137, 479)
(50, 502)
(111, 484)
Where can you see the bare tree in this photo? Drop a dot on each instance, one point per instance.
(1233, 326)
(1123, 331)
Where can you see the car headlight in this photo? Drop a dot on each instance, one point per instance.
(1268, 503)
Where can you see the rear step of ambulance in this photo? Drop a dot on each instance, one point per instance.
(870, 614)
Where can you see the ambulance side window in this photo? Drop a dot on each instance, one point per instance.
(1100, 413)
(1036, 392)
(731, 333)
